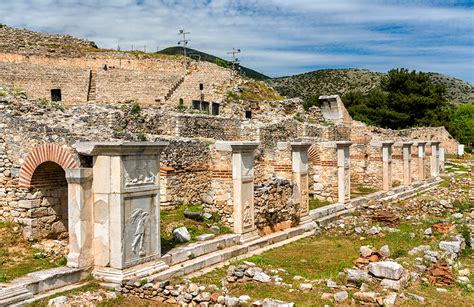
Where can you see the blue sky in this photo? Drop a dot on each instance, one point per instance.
(277, 37)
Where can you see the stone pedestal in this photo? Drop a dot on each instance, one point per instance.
(299, 162)
(81, 254)
(421, 160)
(343, 172)
(434, 159)
(126, 209)
(387, 165)
(243, 188)
(406, 148)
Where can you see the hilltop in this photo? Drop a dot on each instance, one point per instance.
(195, 54)
(342, 81)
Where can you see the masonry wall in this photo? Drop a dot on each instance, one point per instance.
(120, 85)
(324, 172)
(38, 80)
(218, 128)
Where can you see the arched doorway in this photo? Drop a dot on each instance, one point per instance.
(43, 173)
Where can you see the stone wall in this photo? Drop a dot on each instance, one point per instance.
(323, 171)
(39, 80)
(206, 126)
(274, 205)
(282, 131)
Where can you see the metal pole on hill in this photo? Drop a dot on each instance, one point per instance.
(184, 41)
(235, 61)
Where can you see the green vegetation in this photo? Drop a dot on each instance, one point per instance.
(315, 203)
(358, 190)
(18, 257)
(141, 136)
(135, 108)
(194, 54)
(409, 99)
(87, 287)
(253, 91)
(3, 93)
(172, 219)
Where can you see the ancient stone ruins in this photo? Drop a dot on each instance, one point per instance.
(90, 168)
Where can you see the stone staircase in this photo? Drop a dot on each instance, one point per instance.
(91, 96)
(173, 89)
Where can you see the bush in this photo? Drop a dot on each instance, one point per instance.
(141, 136)
(135, 108)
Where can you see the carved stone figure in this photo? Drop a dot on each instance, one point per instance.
(138, 218)
(140, 174)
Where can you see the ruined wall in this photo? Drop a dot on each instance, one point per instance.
(185, 172)
(274, 205)
(282, 131)
(118, 85)
(38, 80)
(323, 170)
(218, 128)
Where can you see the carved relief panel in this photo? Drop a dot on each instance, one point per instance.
(139, 171)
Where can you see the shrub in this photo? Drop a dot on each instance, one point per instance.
(58, 106)
(43, 102)
(141, 136)
(135, 108)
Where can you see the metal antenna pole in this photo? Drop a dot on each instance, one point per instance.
(235, 61)
(184, 41)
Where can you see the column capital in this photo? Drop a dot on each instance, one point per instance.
(78, 175)
(343, 143)
(237, 146)
(120, 148)
(300, 146)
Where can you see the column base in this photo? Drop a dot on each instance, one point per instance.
(249, 236)
(305, 219)
(117, 276)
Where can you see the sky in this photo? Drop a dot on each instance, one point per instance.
(276, 37)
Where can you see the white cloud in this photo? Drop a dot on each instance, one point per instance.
(278, 37)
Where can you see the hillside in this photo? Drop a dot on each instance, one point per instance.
(210, 58)
(342, 81)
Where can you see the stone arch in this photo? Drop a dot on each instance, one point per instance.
(42, 154)
(313, 155)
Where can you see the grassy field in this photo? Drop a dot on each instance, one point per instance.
(18, 257)
(172, 219)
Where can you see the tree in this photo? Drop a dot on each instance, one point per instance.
(461, 125)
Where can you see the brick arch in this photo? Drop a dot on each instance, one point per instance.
(313, 155)
(41, 154)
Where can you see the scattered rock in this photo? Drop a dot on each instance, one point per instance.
(385, 251)
(340, 296)
(261, 277)
(450, 246)
(181, 234)
(386, 269)
(306, 287)
(367, 297)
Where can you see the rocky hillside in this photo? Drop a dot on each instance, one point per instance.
(195, 54)
(28, 42)
(341, 81)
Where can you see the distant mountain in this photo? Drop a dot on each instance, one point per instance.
(213, 59)
(341, 81)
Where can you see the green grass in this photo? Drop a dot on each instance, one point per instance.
(358, 190)
(88, 287)
(17, 256)
(318, 257)
(172, 219)
(315, 203)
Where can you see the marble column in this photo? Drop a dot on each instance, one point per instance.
(343, 172)
(406, 148)
(434, 159)
(243, 188)
(299, 162)
(80, 217)
(441, 159)
(387, 165)
(421, 160)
